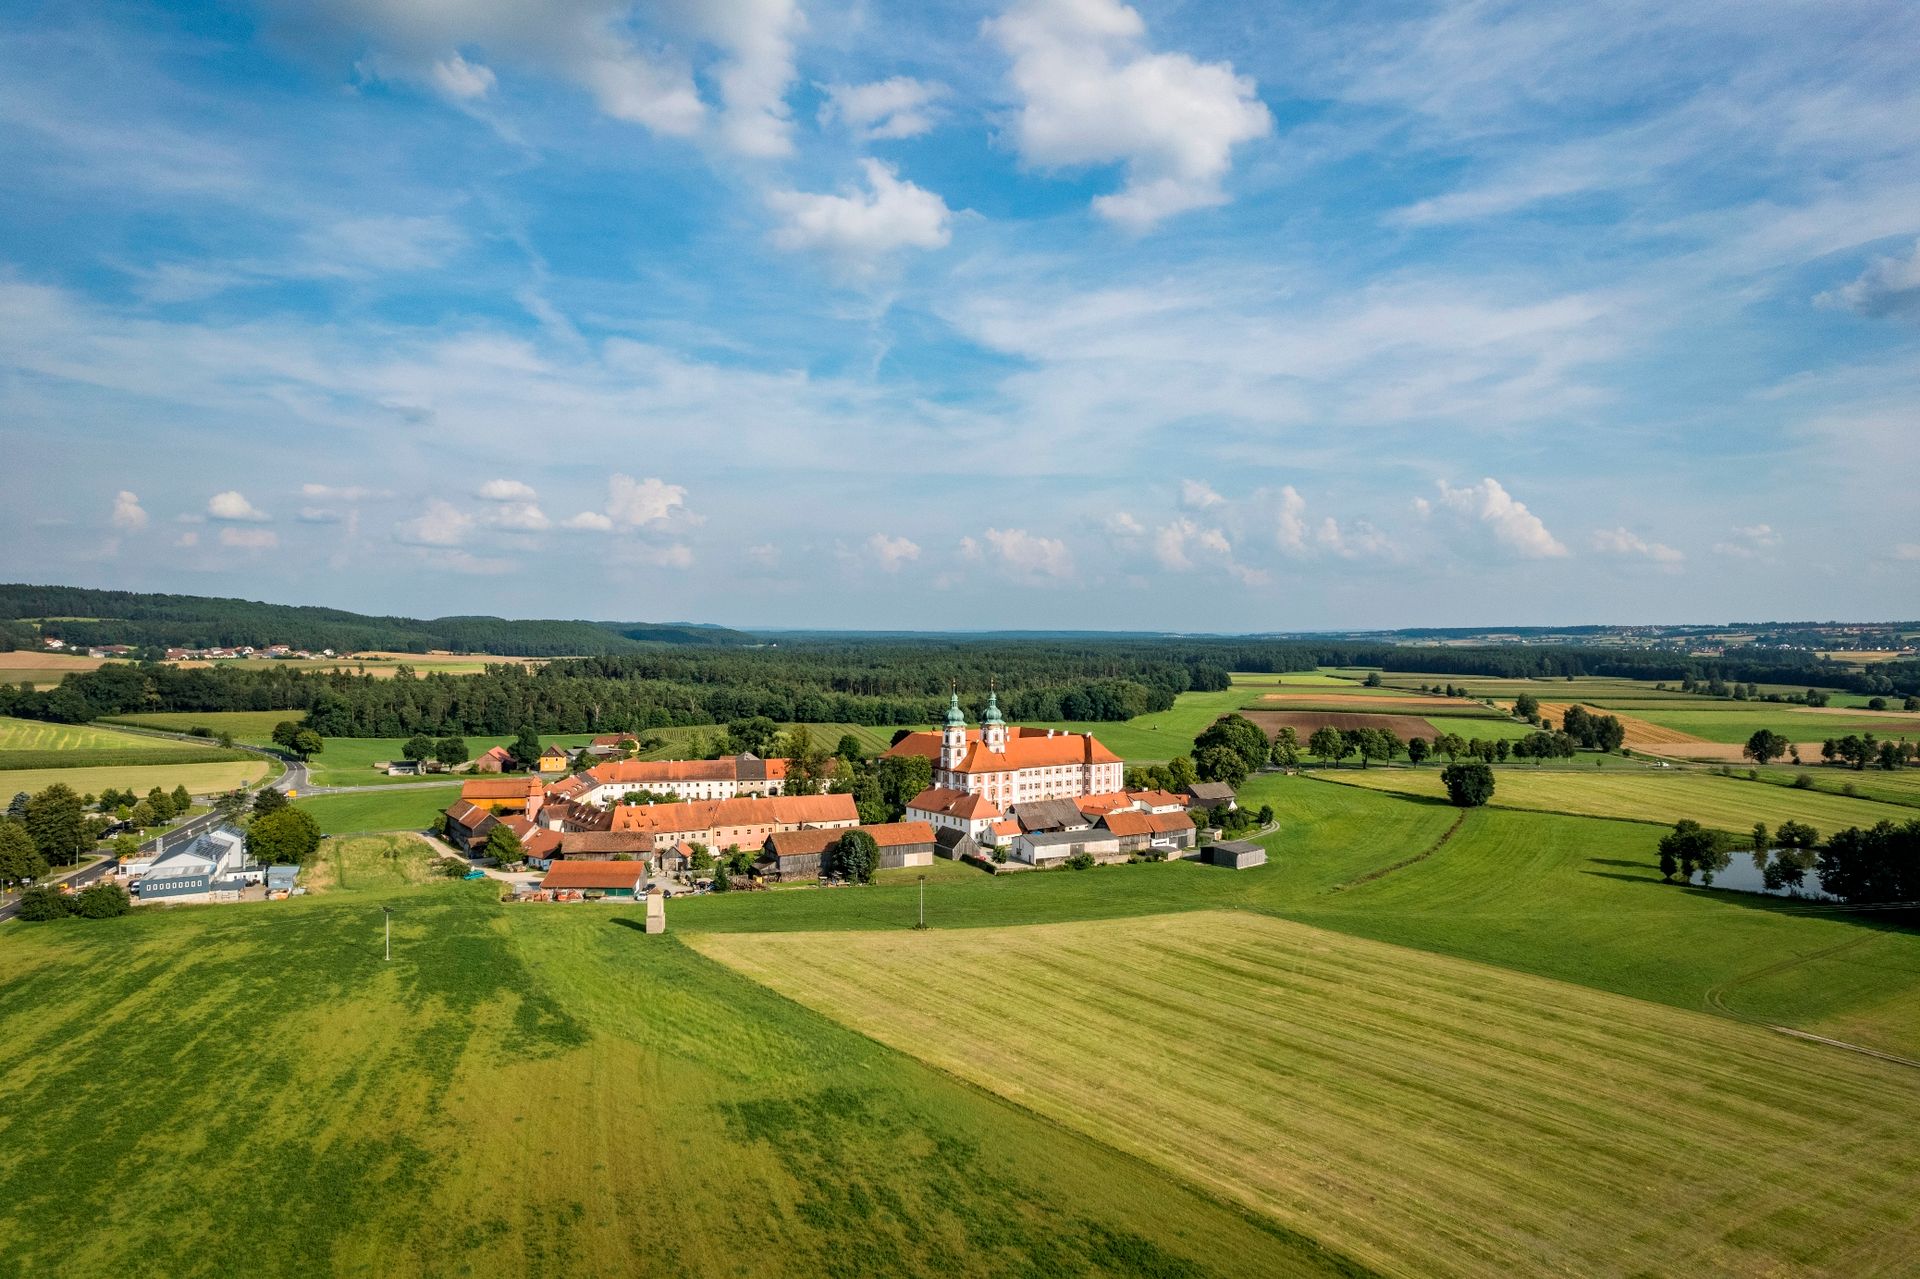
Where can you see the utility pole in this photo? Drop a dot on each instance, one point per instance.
(923, 903)
(388, 912)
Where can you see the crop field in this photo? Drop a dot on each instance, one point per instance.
(32, 735)
(1422, 1115)
(525, 1091)
(255, 727)
(1740, 720)
(390, 808)
(200, 779)
(1639, 794)
(1296, 679)
(43, 670)
(1380, 700)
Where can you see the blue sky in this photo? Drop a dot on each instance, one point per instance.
(1054, 313)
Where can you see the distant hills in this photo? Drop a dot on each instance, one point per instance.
(87, 617)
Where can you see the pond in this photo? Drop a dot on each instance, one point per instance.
(1742, 876)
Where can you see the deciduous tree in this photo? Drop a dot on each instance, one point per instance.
(1468, 785)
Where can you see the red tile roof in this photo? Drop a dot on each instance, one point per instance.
(468, 815)
(1165, 822)
(711, 814)
(953, 803)
(565, 874)
(1157, 798)
(500, 788)
(641, 772)
(894, 834)
(1110, 802)
(1026, 748)
(1129, 821)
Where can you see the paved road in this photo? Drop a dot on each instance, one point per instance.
(79, 879)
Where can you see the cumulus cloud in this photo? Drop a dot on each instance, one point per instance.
(1026, 554)
(890, 553)
(1092, 93)
(635, 503)
(592, 521)
(128, 514)
(1622, 541)
(319, 515)
(457, 78)
(506, 491)
(900, 107)
(231, 505)
(860, 226)
(1297, 536)
(1504, 517)
(1890, 286)
(1123, 524)
(638, 61)
(1197, 495)
(441, 524)
(249, 539)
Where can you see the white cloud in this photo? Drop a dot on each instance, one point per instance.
(1196, 495)
(1027, 554)
(590, 520)
(522, 517)
(319, 515)
(506, 491)
(187, 539)
(249, 539)
(1123, 524)
(759, 36)
(639, 502)
(1297, 537)
(441, 524)
(1889, 286)
(351, 493)
(890, 553)
(127, 512)
(1907, 551)
(858, 227)
(1622, 541)
(900, 107)
(460, 79)
(231, 505)
(1091, 93)
(1175, 544)
(1507, 519)
(1749, 541)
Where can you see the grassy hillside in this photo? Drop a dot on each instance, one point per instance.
(534, 1091)
(406, 808)
(1424, 1116)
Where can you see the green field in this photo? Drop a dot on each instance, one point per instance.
(1499, 1007)
(1422, 1115)
(1795, 723)
(524, 1091)
(1725, 803)
(255, 727)
(200, 779)
(1160, 735)
(30, 744)
(411, 808)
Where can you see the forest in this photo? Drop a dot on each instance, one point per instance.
(88, 617)
(874, 681)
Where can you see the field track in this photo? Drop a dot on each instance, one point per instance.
(1425, 1115)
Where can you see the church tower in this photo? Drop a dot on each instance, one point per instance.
(993, 729)
(953, 738)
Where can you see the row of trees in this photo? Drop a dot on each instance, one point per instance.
(102, 899)
(1857, 750)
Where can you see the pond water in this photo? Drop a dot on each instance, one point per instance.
(1742, 876)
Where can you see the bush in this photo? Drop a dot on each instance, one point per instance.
(102, 899)
(1803, 782)
(1468, 785)
(1081, 860)
(284, 837)
(37, 905)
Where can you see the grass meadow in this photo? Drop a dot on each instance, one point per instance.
(528, 1091)
(406, 808)
(1637, 793)
(1419, 1114)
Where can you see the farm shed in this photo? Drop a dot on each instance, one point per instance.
(1234, 854)
(1211, 795)
(614, 879)
(280, 878)
(1049, 814)
(1050, 848)
(1137, 831)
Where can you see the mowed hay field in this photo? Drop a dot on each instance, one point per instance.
(409, 808)
(530, 1091)
(245, 726)
(43, 670)
(199, 779)
(1421, 1114)
(1624, 790)
(33, 735)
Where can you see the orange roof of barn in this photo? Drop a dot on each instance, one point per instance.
(1129, 821)
(639, 772)
(1164, 822)
(1111, 802)
(1026, 748)
(500, 788)
(705, 814)
(565, 874)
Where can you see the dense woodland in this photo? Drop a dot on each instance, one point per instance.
(87, 617)
(877, 681)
